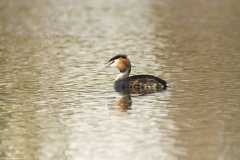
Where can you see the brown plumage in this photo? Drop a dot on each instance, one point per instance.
(143, 81)
(123, 64)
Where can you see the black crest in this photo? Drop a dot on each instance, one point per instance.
(118, 56)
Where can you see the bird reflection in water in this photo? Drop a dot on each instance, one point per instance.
(125, 102)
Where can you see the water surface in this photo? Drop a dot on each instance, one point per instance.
(57, 104)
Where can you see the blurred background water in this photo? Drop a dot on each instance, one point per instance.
(56, 104)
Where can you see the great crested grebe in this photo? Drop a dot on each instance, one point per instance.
(137, 81)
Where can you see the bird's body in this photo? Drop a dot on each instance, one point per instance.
(137, 81)
(141, 81)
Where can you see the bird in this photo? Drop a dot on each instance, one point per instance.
(123, 80)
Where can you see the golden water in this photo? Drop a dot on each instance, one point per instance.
(56, 104)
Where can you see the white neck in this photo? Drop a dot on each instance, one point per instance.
(122, 76)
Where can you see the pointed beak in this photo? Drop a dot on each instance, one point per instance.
(106, 65)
